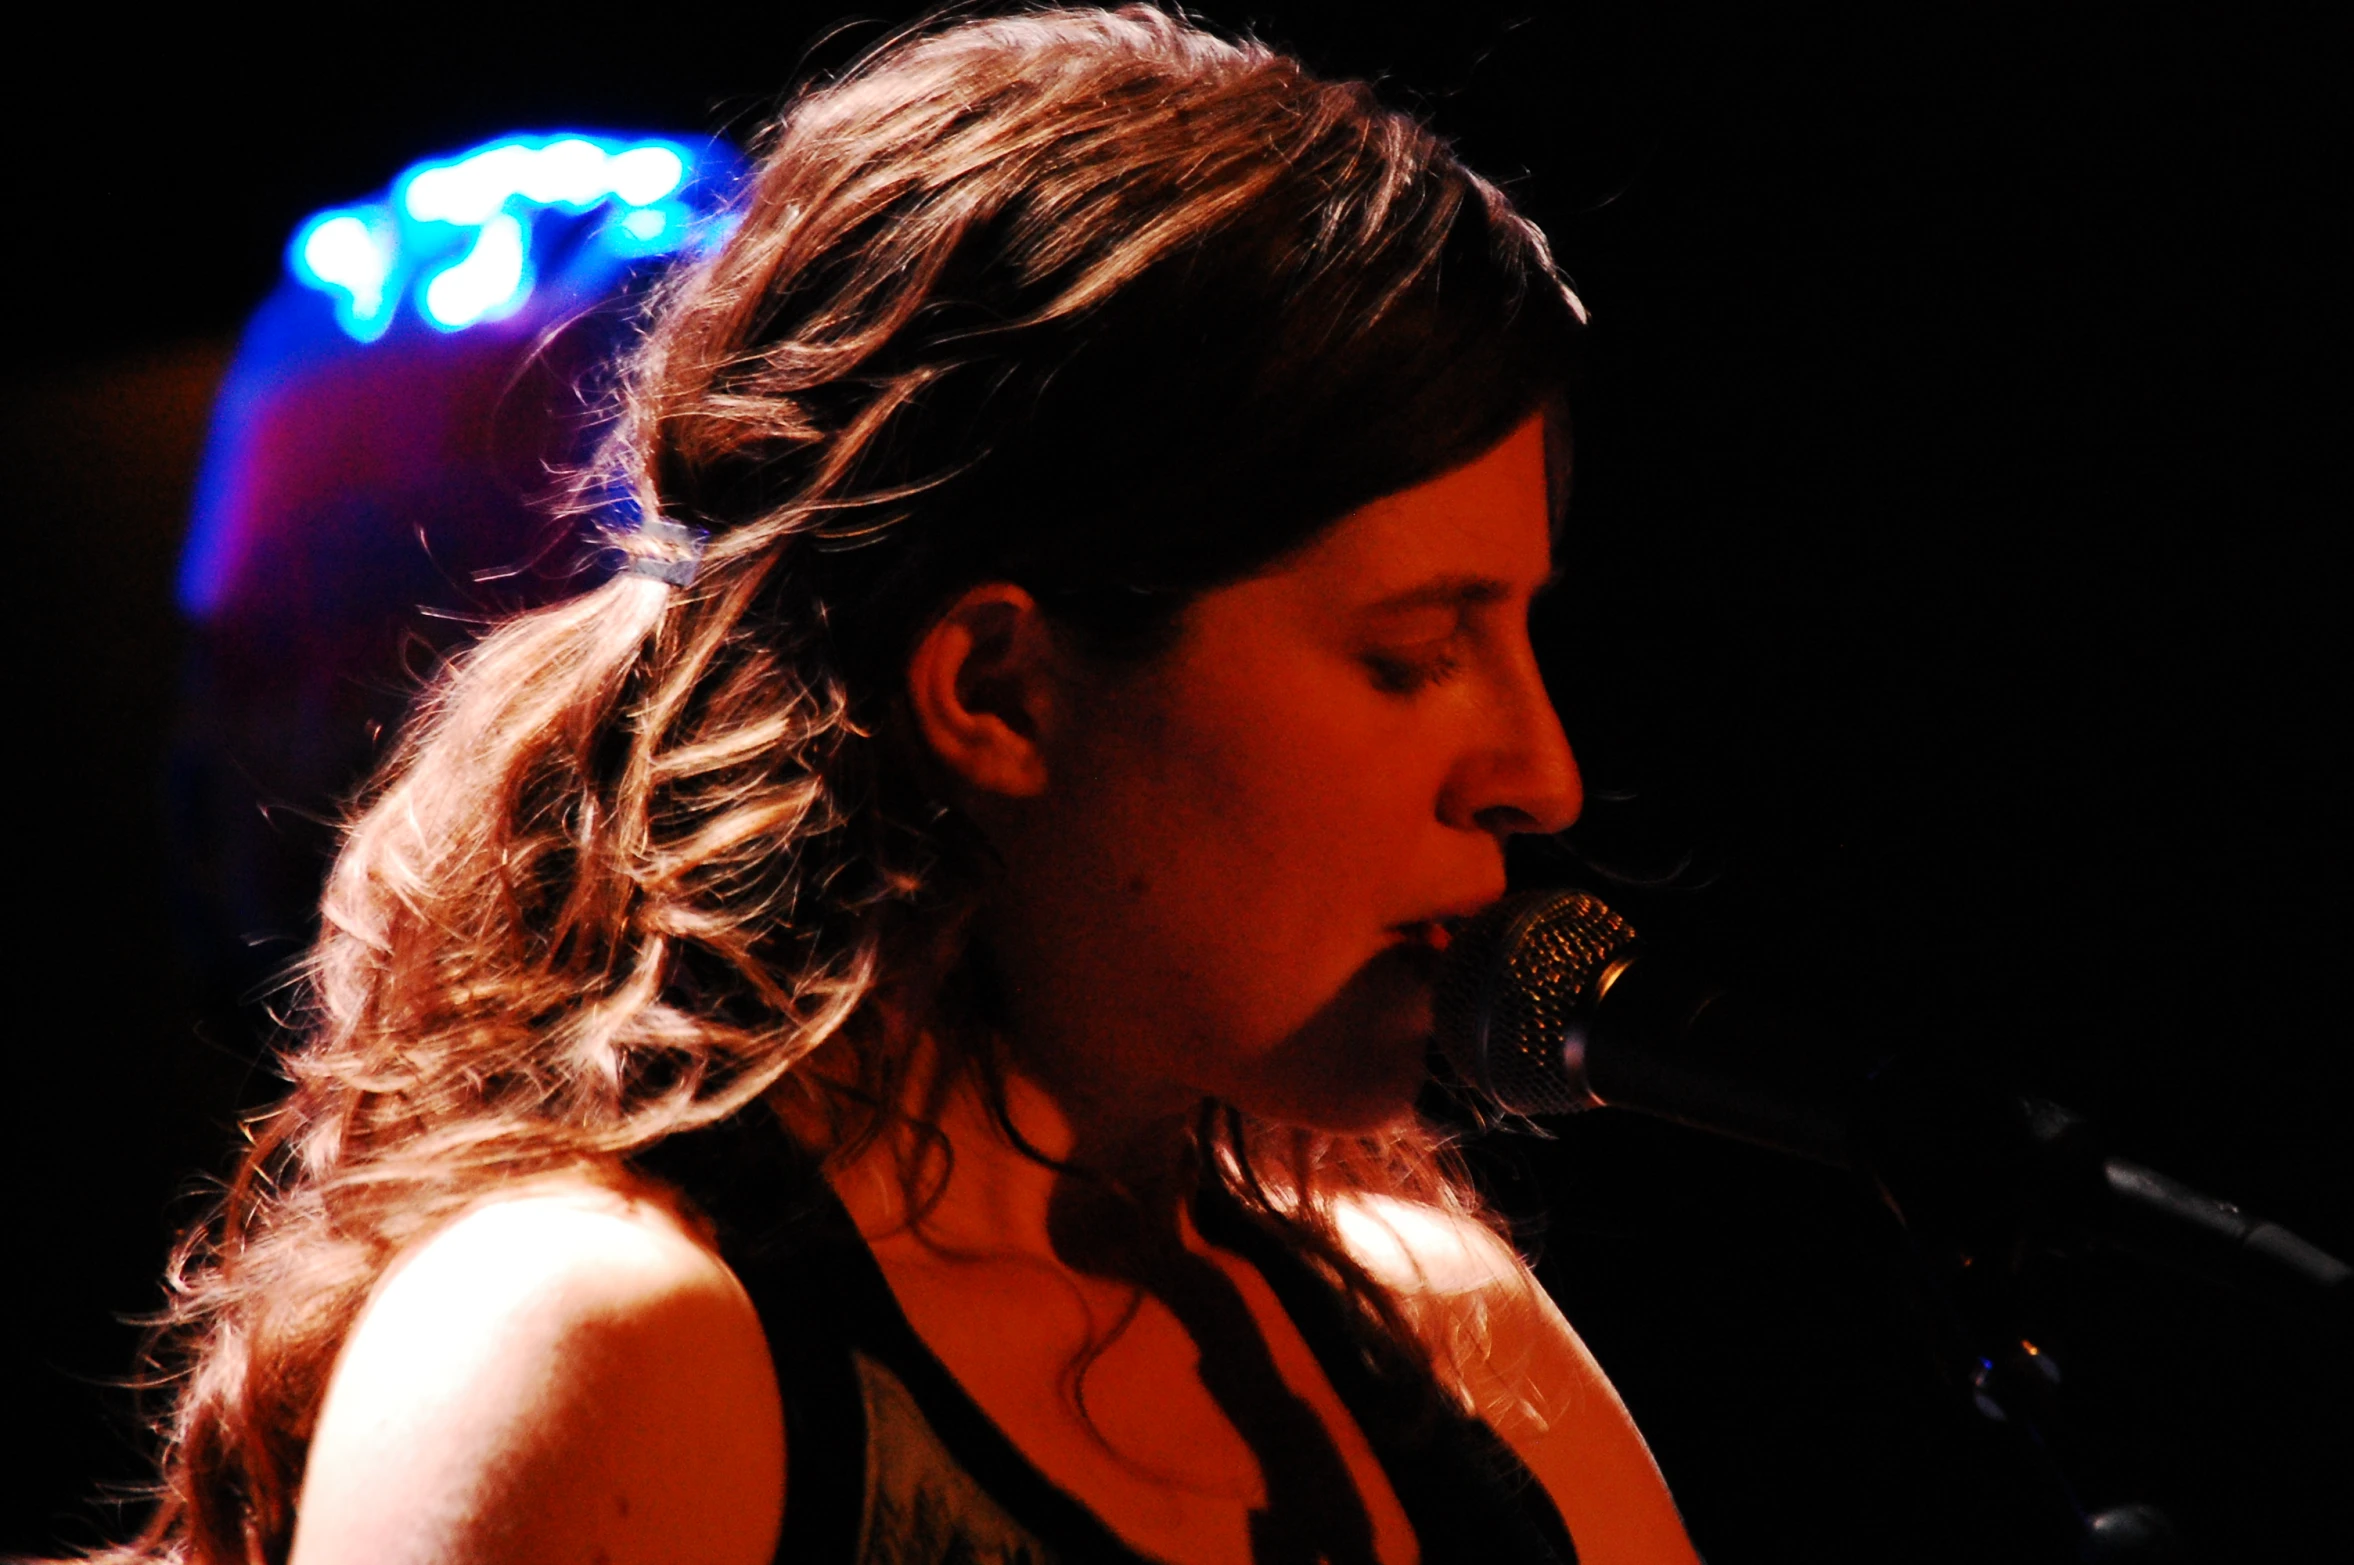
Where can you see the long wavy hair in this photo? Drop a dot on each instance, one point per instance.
(1095, 302)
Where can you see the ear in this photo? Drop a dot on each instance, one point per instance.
(984, 684)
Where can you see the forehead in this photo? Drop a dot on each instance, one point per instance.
(1490, 518)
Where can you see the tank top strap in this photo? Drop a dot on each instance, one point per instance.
(763, 1199)
(1471, 1499)
(888, 1460)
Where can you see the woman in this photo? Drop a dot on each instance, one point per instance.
(891, 1033)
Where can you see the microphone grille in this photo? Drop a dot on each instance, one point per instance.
(1518, 979)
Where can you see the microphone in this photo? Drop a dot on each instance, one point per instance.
(1549, 1003)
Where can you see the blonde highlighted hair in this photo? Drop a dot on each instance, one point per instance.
(1093, 301)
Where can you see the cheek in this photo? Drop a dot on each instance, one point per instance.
(1272, 798)
(1276, 841)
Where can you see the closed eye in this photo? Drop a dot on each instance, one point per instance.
(1420, 635)
(1405, 673)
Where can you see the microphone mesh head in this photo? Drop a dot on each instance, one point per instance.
(1519, 979)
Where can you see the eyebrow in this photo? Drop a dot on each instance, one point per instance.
(1458, 592)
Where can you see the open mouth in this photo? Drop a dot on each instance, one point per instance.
(1428, 932)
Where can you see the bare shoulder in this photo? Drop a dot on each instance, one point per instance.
(1480, 1310)
(568, 1373)
(1527, 1371)
(1422, 1251)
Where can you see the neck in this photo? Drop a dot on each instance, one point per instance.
(996, 1176)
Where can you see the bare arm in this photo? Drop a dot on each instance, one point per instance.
(555, 1377)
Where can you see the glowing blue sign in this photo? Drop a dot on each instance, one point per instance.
(492, 278)
(351, 254)
(457, 236)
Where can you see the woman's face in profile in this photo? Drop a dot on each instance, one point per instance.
(1231, 882)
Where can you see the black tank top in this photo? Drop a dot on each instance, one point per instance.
(889, 1462)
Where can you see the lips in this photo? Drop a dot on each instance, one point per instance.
(1436, 929)
(1429, 932)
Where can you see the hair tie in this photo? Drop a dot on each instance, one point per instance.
(677, 570)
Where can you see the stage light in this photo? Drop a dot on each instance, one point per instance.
(492, 280)
(463, 225)
(468, 191)
(649, 230)
(350, 254)
(644, 175)
(570, 172)
(346, 377)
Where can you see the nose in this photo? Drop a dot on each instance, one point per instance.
(1518, 776)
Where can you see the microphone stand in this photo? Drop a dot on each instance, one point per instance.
(1977, 1180)
(2002, 1380)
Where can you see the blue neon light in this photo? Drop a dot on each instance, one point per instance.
(455, 237)
(350, 253)
(490, 281)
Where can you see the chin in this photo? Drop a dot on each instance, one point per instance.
(1360, 1062)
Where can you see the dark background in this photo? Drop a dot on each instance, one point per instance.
(1948, 595)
